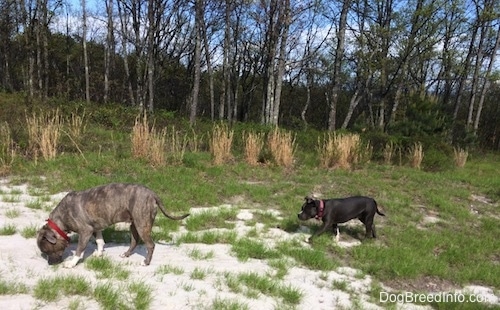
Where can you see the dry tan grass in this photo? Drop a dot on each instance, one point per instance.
(176, 146)
(221, 143)
(44, 131)
(388, 152)
(460, 156)
(343, 151)
(148, 143)
(77, 125)
(254, 142)
(282, 147)
(157, 142)
(140, 137)
(416, 155)
(194, 141)
(7, 149)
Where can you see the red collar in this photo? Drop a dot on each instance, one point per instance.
(321, 208)
(57, 229)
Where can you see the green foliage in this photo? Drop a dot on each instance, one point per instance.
(421, 117)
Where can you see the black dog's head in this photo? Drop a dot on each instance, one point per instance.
(50, 245)
(309, 209)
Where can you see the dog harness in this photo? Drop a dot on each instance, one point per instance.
(321, 208)
(57, 229)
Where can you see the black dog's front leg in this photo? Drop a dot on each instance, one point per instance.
(322, 229)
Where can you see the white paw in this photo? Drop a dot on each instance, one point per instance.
(97, 253)
(70, 263)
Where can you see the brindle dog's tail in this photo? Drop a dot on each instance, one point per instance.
(162, 208)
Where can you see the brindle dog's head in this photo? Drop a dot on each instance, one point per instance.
(309, 209)
(50, 245)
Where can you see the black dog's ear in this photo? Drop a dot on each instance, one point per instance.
(309, 199)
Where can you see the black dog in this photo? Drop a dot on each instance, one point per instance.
(335, 211)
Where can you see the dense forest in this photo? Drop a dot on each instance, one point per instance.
(399, 67)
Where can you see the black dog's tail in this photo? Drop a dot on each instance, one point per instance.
(378, 211)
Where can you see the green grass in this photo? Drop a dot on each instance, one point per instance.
(52, 289)
(35, 204)
(217, 218)
(197, 254)
(461, 248)
(167, 269)
(246, 248)
(198, 274)
(208, 237)
(8, 230)
(12, 213)
(12, 288)
(29, 231)
(109, 297)
(11, 198)
(228, 304)
(105, 268)
(267, 286)
(141, 295)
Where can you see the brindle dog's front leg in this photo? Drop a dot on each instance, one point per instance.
(83, 240)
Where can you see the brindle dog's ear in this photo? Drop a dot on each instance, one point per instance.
(51, 237)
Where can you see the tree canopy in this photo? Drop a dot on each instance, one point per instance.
(400, 67)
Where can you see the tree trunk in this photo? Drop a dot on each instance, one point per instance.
(197, 61)
(85, 53)
(151, 52)
(487, 83)
(123, 25)
(109, 48)
(337, 66)
(285, 22)
(475, 76)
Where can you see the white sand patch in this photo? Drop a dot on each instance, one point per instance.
(21, 263)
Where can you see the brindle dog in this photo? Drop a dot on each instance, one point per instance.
(90, 211)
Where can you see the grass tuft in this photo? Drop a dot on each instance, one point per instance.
(221, 144)
(8, 230)
(106, 269)
(282, 147)
(44, 132)
(460, 157)
(254, 142)
(416, 155)
(54, 288)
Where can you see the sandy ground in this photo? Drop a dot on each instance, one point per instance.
(21, 262)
